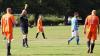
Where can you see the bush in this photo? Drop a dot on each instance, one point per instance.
(1, 14)
(31, 20)
(47, 20)
(52, 20)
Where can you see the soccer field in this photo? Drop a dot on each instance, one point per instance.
(54, 45)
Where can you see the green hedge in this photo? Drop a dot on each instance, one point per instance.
(52, 20)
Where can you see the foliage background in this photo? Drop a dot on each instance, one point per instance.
(58, 8)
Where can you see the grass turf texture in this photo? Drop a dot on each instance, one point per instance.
(54, 45)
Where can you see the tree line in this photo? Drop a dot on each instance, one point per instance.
(52, 7)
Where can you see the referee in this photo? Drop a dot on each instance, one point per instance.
(24, 27)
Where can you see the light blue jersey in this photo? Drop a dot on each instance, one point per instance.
(74, 23)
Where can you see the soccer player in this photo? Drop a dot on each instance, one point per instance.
(90, 30)
(24, 26)
(74, 28)
(7, 23)
(40, 27)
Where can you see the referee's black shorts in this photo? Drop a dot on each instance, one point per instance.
(24, 30)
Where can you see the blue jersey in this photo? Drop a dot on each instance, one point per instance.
(74, 23)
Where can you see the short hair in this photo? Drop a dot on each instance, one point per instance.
(76, 14)
(8, 10)
(93, 11)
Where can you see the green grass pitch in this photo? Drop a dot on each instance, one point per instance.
(54, 45)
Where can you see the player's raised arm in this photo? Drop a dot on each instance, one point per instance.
(26, 6)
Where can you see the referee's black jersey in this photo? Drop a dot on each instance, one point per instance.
(24, 22)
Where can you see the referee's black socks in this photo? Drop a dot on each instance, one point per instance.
(26, 42)
(23, 42)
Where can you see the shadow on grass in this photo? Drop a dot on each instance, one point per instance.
(55, 54)
(44, 54)
(90, 55)
(64, 46)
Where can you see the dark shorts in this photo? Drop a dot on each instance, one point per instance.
(24, 30)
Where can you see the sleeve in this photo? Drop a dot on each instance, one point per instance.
(13, 20)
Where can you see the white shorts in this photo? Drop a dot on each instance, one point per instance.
(75, 33)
